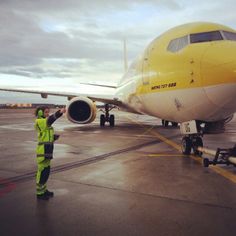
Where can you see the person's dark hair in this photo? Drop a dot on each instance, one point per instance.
(42, 108)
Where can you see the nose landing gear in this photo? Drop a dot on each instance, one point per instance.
(192, 139)
(192, 142)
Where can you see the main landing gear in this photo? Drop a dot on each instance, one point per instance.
(192, 140)
(107, 117)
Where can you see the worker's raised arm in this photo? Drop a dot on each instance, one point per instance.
(52, 118)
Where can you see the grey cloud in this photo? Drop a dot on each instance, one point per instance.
(211, 12)
(28, 48)
(81, 5)
(19, 72)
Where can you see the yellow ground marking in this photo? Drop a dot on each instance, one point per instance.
(166, 140)
(159, 136)
(164, 155)
(146, 132)
(140, 135)
(217, 169)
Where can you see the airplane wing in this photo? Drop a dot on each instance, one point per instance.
(105, 94)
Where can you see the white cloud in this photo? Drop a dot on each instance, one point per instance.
(82, 39)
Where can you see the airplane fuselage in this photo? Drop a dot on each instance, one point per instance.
(188, 73)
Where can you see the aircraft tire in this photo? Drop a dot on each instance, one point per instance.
(205, 162)
(166, 123)
(162, 122)
(197, 143)
(174, 124)
(186, 145)
(102, 120)
(112, 120)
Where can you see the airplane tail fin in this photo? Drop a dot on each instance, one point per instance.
(125, 56)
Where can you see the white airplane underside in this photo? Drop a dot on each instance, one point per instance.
(213, 103)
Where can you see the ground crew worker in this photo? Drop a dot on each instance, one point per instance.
(44, 151)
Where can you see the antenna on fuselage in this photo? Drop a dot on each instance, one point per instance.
(125, 56)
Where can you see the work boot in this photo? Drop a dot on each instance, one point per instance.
(42, 197)
(49, 194)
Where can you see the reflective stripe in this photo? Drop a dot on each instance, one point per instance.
(41, 189)
(45, 138)
(41, 143)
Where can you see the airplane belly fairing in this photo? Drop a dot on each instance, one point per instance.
(222, 96)
(191, 104)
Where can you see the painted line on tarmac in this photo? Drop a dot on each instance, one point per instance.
(226, 174)
(6, 187)
(165, 155)
(76, 164)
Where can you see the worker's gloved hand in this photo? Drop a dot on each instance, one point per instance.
(63, 110)
(56, 137)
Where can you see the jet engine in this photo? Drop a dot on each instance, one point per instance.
(81, 110)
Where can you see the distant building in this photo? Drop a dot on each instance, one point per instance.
(27, 105)
(18, 105)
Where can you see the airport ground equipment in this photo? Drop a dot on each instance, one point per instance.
(226, 156)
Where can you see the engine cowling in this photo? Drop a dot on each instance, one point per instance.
(81, 110)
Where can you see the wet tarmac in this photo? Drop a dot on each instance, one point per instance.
(127, 180)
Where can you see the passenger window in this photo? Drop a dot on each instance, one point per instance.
(205, 37)
(176, 45)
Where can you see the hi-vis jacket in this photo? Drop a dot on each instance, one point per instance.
(45, 138)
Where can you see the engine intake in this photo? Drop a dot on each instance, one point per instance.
(81, 110)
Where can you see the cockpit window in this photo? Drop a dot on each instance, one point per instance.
(205, 37)
(176, 45)
(229, 35)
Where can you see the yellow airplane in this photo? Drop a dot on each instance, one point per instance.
(187, 75)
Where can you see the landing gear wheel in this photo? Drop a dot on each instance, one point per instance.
(166, 123)
(174, 124)
(186, 145)
(112, 120)
(197, 143)
(102, 120)
(205, 162)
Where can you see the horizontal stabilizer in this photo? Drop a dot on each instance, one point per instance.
(101, 85)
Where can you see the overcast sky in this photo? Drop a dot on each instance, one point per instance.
(82, 40)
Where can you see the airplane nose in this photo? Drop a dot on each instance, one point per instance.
(218, 74)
